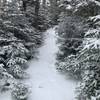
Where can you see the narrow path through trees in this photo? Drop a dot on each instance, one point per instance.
(47, 83)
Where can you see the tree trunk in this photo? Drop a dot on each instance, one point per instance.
(24, 5)
(0, 7)
(44, 3)
(54, 11)
(37, 6)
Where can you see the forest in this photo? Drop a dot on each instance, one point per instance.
(29, 30)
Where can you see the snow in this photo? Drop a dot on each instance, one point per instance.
(95, 18)
(46, 82)
(97, 2)
(5, 96)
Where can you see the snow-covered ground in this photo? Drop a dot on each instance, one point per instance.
(5, 96)
(47, 83)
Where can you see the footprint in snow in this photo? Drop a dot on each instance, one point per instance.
(40, 86)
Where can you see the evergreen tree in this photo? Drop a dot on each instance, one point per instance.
(86, 61)
(19, 41)
(20, 92)
(89, 61)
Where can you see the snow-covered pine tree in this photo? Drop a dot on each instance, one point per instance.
(16, 57)
(13, 61)
(86, 62)
(86, 8)
(70, 31)
(18, 42)
(6, 79)
(12, 50)
(89, 61)
(78, 7)
(20, 92)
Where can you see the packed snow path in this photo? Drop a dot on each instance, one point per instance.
(47, 83)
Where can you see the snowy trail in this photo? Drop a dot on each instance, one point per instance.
(47, 83)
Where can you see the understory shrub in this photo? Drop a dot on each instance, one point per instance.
(20, 92)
